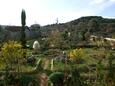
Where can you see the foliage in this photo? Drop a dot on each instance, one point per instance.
(76, 78)
(31, 60)
(55, 39)
(110, 76)
(52, 52)
(82, 35)
(57, 78)
(93, 25)
(39, 66)
(75, 54)
(26, 79)
(23, 18)
(11, 52)
(23, 35)
(3, 34)
(100, 72)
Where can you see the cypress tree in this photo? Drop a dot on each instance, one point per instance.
(23, 35)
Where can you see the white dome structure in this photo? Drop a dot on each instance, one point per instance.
(36, 45)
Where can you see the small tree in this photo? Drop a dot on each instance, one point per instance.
(23, 35)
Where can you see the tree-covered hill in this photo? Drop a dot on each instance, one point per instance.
(96, 25)
(79, 29)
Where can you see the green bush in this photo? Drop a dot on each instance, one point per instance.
(26, 79)
(56, 78)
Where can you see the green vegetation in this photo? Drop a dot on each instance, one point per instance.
(64, 55)
(92, 65)
(23, 35)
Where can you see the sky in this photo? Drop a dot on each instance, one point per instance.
(45, 12)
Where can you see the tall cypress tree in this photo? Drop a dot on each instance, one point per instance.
(23, 35)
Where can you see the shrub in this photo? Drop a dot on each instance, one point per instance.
(25, 80)
(110, 75)
(12, 53)
(76, 54)
(57, 78)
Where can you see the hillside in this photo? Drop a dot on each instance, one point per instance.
(79, 30)
(96, 25)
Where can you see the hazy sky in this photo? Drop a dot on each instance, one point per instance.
(47, 11)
